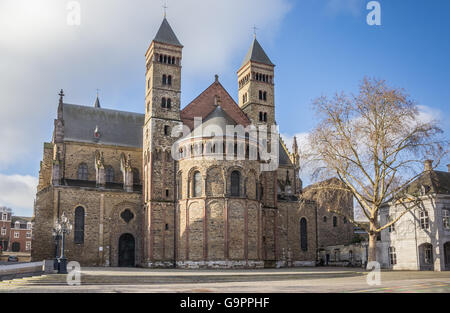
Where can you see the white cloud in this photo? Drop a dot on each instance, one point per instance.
(18, 192)
(302, 140)
(304, 147)
(40, 53)
(428, 114)
(338, 7)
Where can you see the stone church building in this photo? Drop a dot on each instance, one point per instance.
(133, 203)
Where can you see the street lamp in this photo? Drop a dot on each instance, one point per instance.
(62, 227)
(57, 238)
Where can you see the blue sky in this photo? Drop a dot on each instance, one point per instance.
(318, 46)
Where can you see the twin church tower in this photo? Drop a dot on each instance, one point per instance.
(211, 212)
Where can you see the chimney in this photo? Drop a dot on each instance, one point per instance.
(428, 165)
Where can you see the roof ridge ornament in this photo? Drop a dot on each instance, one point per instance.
(96, 133)
(97, 101)
(61, 96)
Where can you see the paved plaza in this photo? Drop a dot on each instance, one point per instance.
(341, 280)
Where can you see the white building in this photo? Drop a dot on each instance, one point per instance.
(420, 240)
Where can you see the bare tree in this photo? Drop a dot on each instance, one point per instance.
(371, 142)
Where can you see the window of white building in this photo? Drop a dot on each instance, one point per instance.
(28, 245)
(28, 225)
(4, 217)
(16, 234)
(446, 218)
(3, 231)
(28, 234)
(424, 220)
(428, 254)
(392, 227)
(392, 256)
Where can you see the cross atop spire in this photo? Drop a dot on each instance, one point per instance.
(165, 7)
(254, 30)
(61, 96)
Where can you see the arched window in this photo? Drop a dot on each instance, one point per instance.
(265, 96)
(179, 187)
(235, 183)
(260, 116)
(166, 130)
(424, 220)
(169, 80)
(260, 95)
(79, 225)
(265, 117)
(136, 177)
(164, 80)
(109, 173)
(165, 59)
(163, 102)
(303, 234)
(169, 103)
(197, 185)
(83, 172)
(334, 221)
(324, 219)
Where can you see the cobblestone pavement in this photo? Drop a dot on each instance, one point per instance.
(342, 280)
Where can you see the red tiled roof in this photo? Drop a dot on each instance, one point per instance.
(203, 105)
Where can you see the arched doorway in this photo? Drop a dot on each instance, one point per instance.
(126, 251)
(447, 255)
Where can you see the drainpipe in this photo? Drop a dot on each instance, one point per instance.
(175, 197)
(415, 239)
(317, 236)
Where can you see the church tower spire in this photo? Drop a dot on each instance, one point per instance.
(97, 102)
(256, 85)
(162, 114)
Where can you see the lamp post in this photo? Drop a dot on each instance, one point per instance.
(62, 228)
(57, 238)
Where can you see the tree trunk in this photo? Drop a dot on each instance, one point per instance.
(372, 253)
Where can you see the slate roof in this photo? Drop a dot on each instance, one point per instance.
(433, 182)
(218, 118)
(204, 105)
(283, 158)
(166, 34)
(117, 128)
(21, 219)
(256, 53)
